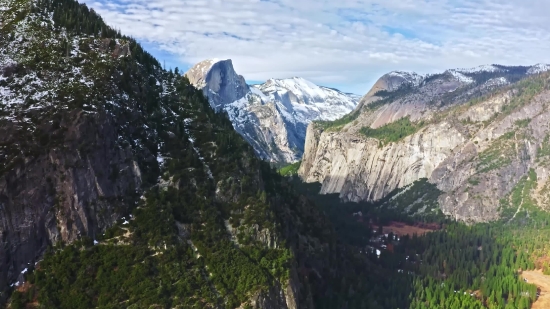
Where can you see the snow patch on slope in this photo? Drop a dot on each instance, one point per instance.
(255, 91)
(538, 68)
(301, 88)
(461, 77)
(500, 81)
(191, 139)
(237, 111)
(301, 101)
(411, 77)
(481, 68)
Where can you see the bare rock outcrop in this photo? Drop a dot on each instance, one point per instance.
(219, 82)
(475, 153)
(359, 169)
(76, 189)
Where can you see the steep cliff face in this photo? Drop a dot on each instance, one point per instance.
(67, 192)
(494, 160)
(263, 126)
(273, 116)
(74, 148)
(476, 153)
(218, 81)
(359, 169)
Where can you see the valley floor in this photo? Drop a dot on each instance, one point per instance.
(542, 281)
(402, 229)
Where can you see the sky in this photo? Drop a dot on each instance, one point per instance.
(346, 44)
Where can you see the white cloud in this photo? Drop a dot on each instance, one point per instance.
(344, 43)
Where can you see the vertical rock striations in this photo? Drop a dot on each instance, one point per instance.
(77, 189)
(475, 153)
(219, 82)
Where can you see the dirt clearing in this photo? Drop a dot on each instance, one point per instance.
(400, 229)
(542, 281)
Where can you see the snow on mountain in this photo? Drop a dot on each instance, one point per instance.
(535, 69)
(410, 77)
(481, 68)
(461, 77)
(301, 101)
(273, 116)
(538, 68)
(238, 110)
(486, 77)
(500, 81)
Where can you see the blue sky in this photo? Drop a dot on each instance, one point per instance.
(346, 44)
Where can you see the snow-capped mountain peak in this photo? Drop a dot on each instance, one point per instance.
(272, 116)
(291, 83)
(304, 101)
(304, 91)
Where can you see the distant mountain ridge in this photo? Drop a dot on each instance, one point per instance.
(483, 75)
(272, 116)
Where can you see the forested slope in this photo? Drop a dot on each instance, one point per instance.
(138, 193)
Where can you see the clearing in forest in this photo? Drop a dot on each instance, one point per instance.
(542, 281)
(401, 229)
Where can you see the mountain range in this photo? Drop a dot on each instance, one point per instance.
(436, 132)
(272, 116)
(473, 133)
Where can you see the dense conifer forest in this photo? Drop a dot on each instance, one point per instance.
(458, 266)
(392, 132)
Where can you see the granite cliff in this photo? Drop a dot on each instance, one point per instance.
(475, 134)
(61, 194)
